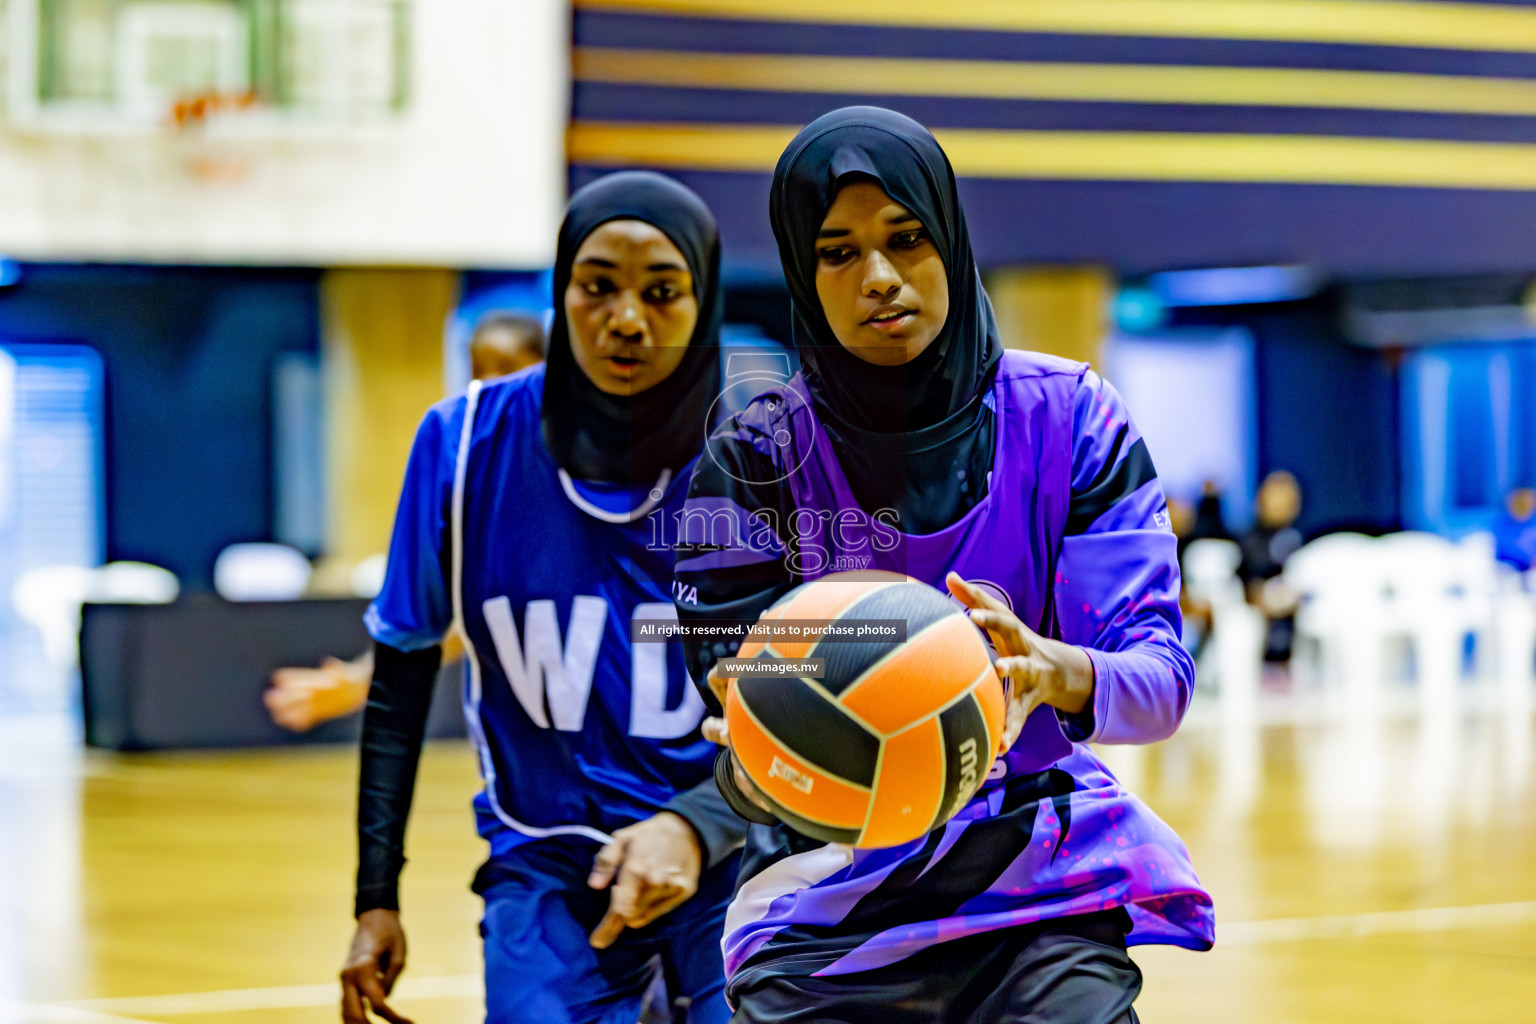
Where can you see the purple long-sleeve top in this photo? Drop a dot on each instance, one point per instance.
(1117, 576)
(1072, 531)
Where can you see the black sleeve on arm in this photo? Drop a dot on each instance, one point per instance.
(393, 726)
(737, 593)
(719, 829)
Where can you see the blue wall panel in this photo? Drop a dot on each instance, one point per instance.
(188, 354)
(1327, 411)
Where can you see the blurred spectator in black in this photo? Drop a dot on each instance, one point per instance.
(504, 343)
(1201, 521)
(1514, 532)
(1183, 519)
(1208, 524)
(300, 697)
(1266, 545)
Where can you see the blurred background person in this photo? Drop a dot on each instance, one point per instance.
(1514, 531)
(1182, 518)
(504, 343)
(301, 698)
(1209, 523)
(1266, 545)
(1201, 521)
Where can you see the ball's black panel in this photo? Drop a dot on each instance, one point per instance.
(847, 662)
(918, 605)
(814, 829)
(812, 726)
(967, 756)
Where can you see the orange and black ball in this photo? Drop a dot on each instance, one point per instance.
(894, 738)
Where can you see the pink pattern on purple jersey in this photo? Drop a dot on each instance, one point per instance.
(1118, 853)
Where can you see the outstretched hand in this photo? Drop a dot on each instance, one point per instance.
(1039, 669)
(302, 698)
(653, 866)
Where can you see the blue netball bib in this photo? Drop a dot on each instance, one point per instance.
(578, 730)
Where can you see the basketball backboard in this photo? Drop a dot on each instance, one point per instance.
(129, 66)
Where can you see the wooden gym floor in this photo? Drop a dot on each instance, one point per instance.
(1377, 869)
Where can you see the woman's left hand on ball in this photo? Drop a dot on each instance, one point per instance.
(1042, 670)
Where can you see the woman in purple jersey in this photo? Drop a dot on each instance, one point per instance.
(1017, 480)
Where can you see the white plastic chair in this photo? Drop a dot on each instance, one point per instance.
(260, 572)
(1210, 571)
(1478, 571)
(132, 583)
(1236, 646)
(1427, 605)
(367, 577)
(49, 600)
(1340, 623)
(1514, 617)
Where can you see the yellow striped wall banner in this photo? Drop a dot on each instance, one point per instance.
(1418, 23)
(1034, 80)
(1099, 156)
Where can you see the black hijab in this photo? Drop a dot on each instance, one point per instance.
(904, 159)
(915, 438)
(596, 436)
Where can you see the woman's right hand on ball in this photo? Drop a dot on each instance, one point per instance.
(719, 685)
(716, 731)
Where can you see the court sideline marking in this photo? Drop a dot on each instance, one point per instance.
(15, 1012)
(1382, 922)
(1237, 933)
(281, 997)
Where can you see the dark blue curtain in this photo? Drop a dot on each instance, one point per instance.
(188, 354)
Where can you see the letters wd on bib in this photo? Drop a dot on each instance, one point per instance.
(547, 609)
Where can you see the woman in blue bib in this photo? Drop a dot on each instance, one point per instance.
(526, 520)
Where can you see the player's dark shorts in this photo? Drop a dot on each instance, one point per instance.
(540, 969)
(1069, 971)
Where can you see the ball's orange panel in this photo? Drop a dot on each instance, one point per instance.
(920, 677)
(989, 697)
(908, 788)
(799, 786)
(826, 599)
